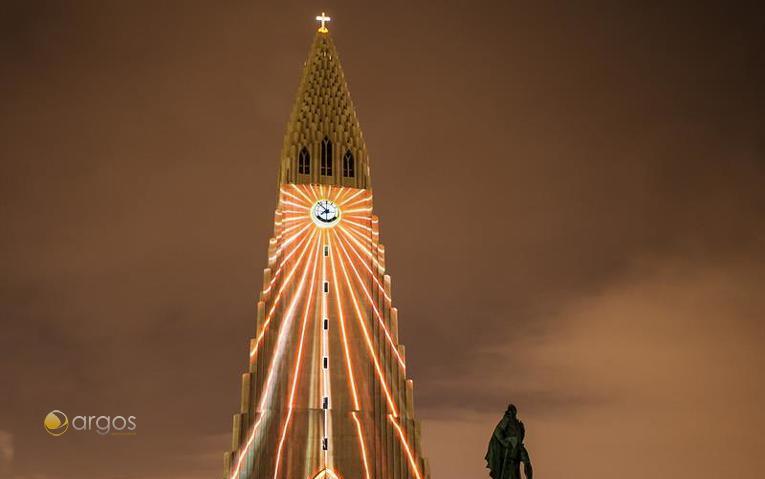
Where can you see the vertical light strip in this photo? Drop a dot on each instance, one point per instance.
(286, 258)
(266, 394)
(366, 249)
(368, 268)
(354, 415)
(275, 302)
(409, 455)
(341, 317)
(296, 370)
(316, 196)
(326, 384)
(370, 346)
(352, 382)
(354, 245)
(374, 307)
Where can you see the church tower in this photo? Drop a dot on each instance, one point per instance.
(326, 393)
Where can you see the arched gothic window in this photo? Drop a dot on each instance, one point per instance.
(349, 165)
(304, 162)
(326, 157)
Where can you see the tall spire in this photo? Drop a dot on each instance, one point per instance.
(326, 393)
(323, 143)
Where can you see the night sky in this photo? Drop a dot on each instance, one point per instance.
(571, 196)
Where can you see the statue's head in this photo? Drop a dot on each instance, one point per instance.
(512, 410)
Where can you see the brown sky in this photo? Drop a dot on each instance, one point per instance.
(571, 196)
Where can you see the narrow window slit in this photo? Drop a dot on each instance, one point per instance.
(349, 165)
(326, 157)
(304, 162)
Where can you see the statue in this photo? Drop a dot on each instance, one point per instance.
(506, 449)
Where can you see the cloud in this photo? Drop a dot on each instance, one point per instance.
(7, 454)
(662, 368)
(6, 451)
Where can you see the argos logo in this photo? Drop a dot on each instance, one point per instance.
(56, 423)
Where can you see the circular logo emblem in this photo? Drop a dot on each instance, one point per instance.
(56, 423)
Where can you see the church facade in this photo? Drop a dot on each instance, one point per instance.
(326, 393)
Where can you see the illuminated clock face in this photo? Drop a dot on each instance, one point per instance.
(325, 213)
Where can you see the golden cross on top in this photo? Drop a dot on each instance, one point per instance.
(323, 18)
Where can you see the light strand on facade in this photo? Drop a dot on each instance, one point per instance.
(341, 317)
(370, 346)
(296, 369)
(326, 383)
(266, 392)
(405, 443)
(355, 417)
(284, 260)
(349, 365)
(275, 303)
(366, 249)
(372, 302)
(372, 274)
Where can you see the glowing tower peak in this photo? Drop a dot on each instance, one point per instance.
(323, 143)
